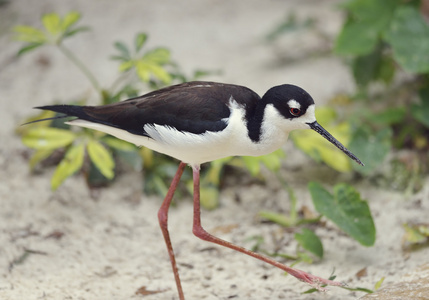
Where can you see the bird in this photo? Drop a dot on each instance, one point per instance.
(201, 121)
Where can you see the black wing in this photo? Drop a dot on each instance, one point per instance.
(194, 107)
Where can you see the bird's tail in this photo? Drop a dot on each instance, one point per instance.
(67, 111)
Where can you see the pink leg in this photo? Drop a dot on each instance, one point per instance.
(163, 223)
(199, 231)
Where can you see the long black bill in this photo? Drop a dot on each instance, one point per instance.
(322, 131)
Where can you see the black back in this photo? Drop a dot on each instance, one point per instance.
(194, 107)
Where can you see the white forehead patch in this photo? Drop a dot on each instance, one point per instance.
(292, 103)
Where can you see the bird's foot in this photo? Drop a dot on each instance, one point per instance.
(316, 282)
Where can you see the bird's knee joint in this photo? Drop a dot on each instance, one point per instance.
(201, 233)
(162, 218)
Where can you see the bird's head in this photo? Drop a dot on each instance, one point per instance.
(295, 109)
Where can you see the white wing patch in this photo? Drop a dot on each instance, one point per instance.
(171, 136)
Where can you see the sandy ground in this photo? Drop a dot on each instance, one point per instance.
(113, 246)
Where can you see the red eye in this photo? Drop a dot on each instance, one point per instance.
(295, 111)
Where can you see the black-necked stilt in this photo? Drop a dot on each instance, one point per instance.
(197, 122)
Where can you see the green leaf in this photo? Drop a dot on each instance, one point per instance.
(388, 116)
(365, 68)
(386, 69)
(277, 218)
(126, 65)
(371, 147)
(101, 158)
(29, 47)
(143, 71)
(356, 39)
(359, 289)
(52, 23)
(409, 38)
(160, 73)
(40, 155)
(421, 111)
(368, 19)
(157, 56)
(56, 27)
(140, 40)
(252, 164)
(123, 49)
(310, 291)
(310, 242)
(29, 34)
(146, 68)
(69, 32)
(378, 284)
(346, 209)
(47, 138)
(68, 20)
(72, 162)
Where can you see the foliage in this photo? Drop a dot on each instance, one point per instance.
(386, 44)
(56, 29)
(371, 146)
(310, 241)
(382, 40)
(373, 26)
(47, 138)
(146, 65)
(346, 209)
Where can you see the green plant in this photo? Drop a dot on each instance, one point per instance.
(344, 207)
(386, 44)
(152, 67)
(383, 40)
